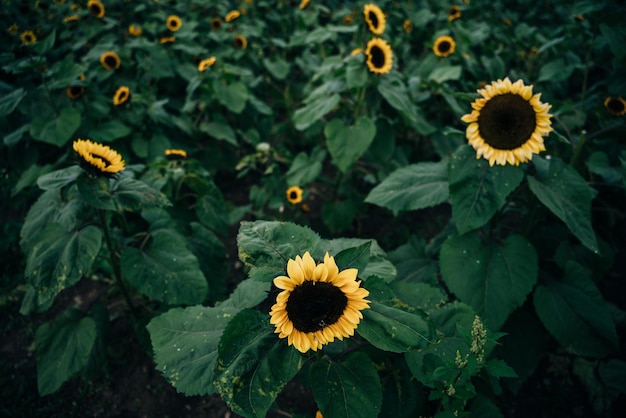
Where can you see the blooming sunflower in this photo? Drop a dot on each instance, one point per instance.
(375, 18)
(232, 15)
(304, 4)
(28, 37)
(175, 154)
(444, 46)
(173, 23)
(216, 23)
(134, 30)
(379, 56)
(615, 106)
(454, 13)
(96, 8)
(206, 63)
(99, 158)
(240, 42)
(294, 195)
(121, 96)
(508, 123)
(318, 303)
(110, 60)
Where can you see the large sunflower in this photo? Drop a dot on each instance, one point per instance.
(379, 56)
(74, 92)
(121, 96)
(444, 46)
(508, 123)
(99, 158)
(375, 18)
(96, 8)
(615, 106)
(110, 60)
(175, 154)
(173, 23)
(318, 303)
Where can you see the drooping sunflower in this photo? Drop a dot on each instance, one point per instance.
(110, 60)
(444, 46)
(96, 8)
(615, 105)
(121, 96)
(167, 39)
(175, 154)
(216, 23)
(206, 63)
(304, 4)
(507, 123)
(375, 18)
(28, 37)
(240, 42)
(318, 303)
(134, 30)
(454, 13)
(379, 56)
(294, 195)
(98, 158)
(173, 23)
(232, 15)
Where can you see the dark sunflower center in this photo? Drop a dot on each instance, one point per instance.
(95, 9)
(506, 121)
(377, 57)
(312, 307)
(238, 42)
(28, 37)
(173, 23)
(293, 195)
(110, 61)
(76, 91)
(216, 24)
(444, 46)
(373, 19)
(122, 96)
(615, 106)
(106, 162)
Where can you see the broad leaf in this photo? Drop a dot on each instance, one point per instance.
(56, 131)
(211, 209)
(305, 169)
(110, 131)
(356, 257)
(59, 178)
(396, 94)
(315, 110)
(9, 102)
(377, 265)
(412, 262)
(347, 144)
(247, 294)
(278, 68)
(233, 96)
(120, 194)
(219, 130)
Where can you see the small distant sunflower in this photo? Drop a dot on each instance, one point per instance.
(294, 195)
(615, 106)
(134, 30)
(121, 96)
(13, 29)
(28, 37)
(216, 23)
(304, 4)
(206, 63)
(232, 15)
(444, 46)
(507, 123)
(454, 13)
(167, 39)
(375, 18)
(175, 154)
(96, 8)
(240, 42)
(347, 19)
(318, 303)
(71, 18)
(98, 158)
(379, 56)
(173, 23)
(110, 60)
(75, 92)
(407, 25)
(356, 51)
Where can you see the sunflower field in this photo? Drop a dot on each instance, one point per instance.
(313, 208)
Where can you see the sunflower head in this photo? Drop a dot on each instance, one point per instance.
(294, 195)
(375, 18)
(134, 30)
(167, 39)
(348, 19)
(615, 106)
(121, 96)
(304, 4)
(173, 23)
(454, 13)
(96, 8)
(110, 60)
(232, 15)
(216, 23)
(240, 42)
(407, 25)
(507, 123)
(444, 46)
(74, 92)
(28, 37)
(97, 158)
(379, 56)
(175, 154)
(318, 303)
(206, 63)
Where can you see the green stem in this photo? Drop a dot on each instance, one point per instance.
(359, 102)
(579, 146)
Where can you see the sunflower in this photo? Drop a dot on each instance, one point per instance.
(347, 19)
(375, 18)
(444, 46)
(134, 30)
(99, 158)
(356, 51)
(175, 154)
(508, 123)
(232, 15)
(454, 13)
(13, 29)
(173, 23)
(407, 25)
(167, 39)
(615, 106)
(71, 18)
(121, 96)
(379, 56)
(240, 42)
(75, 92)
(304, 4)
(206, 63)
(110, 60)
(216, 23)
(28, 37)
(96, 8)
(294, 195)
(318, 303)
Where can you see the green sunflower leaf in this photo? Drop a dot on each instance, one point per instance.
(278, 68)
(110, 131)
(166, 270)
(396, 94)
(63, 349)
(575, 313)
(314, 110)
(478, 191)
(266, 246)
(416, 186)
(56, 131)
(219, 130)
(185, 343)
(355, 257)
(14, 137)
(493, 278)
(395, 330)
(305, 169)
(349, 388)
(211, 209)
(347, 144)
(247, 294)
(59, 178)
(377, 265)
(233, 96)
(562, 190)
(9, 102)
(125, 193)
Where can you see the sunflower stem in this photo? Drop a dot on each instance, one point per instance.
(359, 102)
(350, 349)
(586, 75)
(579, 146)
